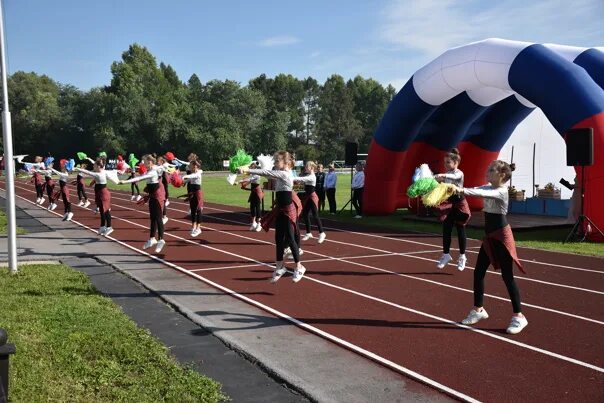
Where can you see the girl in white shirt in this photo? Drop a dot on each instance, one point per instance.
(358, 183)
(102, 196)
(64, 189)
(498, 247)
(195, 195)
(311, 201)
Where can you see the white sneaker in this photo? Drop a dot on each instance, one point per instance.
(517, 324)
(101, 230)
(358, 216)
(167, 203)
(322, 237)
(53, 206)
(151, 242)
(475, 316)
(96, 211)
(81, 203)
(69, 216)
(461, 262)
(196, 232)
(160, 246)
(253, 226)
(108, 231)
(64, 217)
(258, 227)
(299, 273)
(307, 236)
(87, 203)
(132, 197)
(279, 271)
(165, 219)
(444, 260)
(138, 197)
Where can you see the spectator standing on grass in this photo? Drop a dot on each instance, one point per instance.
(331, 181)
(358, 184)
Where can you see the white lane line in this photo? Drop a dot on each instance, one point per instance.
(534, 306)
(366, 296)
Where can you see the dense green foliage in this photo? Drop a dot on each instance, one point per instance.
(147, 108)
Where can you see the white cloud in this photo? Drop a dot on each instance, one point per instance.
(430, 27)
(282, 40)
(315, 54)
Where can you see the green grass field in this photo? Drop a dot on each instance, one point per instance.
(75, 345)
(3, 225)
(217, 190)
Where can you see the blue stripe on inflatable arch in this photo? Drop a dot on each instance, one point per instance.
(448, 125)
(403, 119)
(592, 60)
(548, 80)
(495, 127)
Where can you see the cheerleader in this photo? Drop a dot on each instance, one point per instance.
(311, 201)
(162, 170)
(64, 191)
(79, 182)
(255, 199)
(195, 195)
(36, 179)
(191, 157)
(498, 247)
(285, 213)
(133, 186)
(49, 185)
(102, 196)
(156, 198)
(454, 212)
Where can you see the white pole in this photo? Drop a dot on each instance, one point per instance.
(9, 162)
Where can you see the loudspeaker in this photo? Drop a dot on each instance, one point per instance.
(350, 156)
(579, 147)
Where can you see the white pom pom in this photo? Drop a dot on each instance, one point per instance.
(425, 172)
(266, 161)
(231, 179)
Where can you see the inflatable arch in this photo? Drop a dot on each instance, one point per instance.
(473, 97)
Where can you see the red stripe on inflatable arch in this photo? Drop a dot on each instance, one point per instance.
(474, 164)
(594, 175)
(382, 175)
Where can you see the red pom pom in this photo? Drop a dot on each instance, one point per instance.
(176, 180)
(142, 169)
(169, 156)
(62, 162)
(119, 157)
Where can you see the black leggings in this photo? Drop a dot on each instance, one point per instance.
(331, 197)
(255, 209)
(286, 234)
(357, 200)
(155, 214)
(506, 264)
(448, 225)
(321, 195)
(195, 211)
(39, 191)
(49, 191)
(105, 218)
(66, 202)
(134, 186)
(310, 208)
(81, 192)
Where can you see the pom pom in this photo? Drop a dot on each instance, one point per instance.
(133, 161)
(266, 161)
(119, 157)
(239, 160)
(169, 156)
(82, 155)
(122, 166)
(176, 180)
(103, 154)
(421, 187)
(232, 178)
(142, 169)
(62, 162)
(438, 195)
(69, 165)
(48, 161)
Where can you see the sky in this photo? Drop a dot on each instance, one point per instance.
(75, 41)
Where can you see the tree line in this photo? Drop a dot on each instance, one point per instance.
(147, 108)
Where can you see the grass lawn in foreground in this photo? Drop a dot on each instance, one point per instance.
(3, 225)
(217, 190)
(75, 345)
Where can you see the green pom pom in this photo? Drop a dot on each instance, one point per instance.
(133, 161)
(421, 187)
(103, 154)
(82, 155)
(239, 160)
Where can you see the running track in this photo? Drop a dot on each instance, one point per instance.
(379, 294)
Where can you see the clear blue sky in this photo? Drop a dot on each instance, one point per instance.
(75, 41)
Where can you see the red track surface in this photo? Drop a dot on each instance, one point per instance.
(400, 307)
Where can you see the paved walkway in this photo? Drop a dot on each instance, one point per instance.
(255, 356)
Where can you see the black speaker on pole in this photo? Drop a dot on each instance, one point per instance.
(579, 147)
(350, 155)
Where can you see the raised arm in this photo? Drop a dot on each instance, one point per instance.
(304, 179)
(269, 173)
(148, 175)
(484, 191)
(87, 173)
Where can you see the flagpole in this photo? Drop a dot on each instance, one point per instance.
(9, 163)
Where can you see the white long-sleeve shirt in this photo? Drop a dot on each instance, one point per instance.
(358, 180)
(152, 177)
(284, 179)
(331, 180)
(99, 177)
(46, 172)
(495, 199)
(194, 178)
(63, 176)
(309, 180)
(454, 177)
